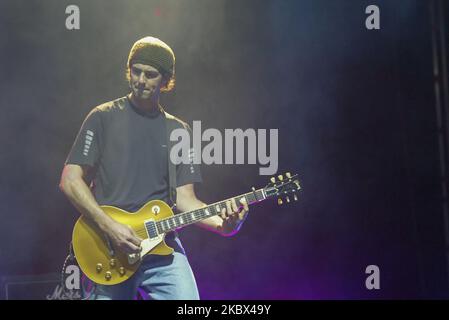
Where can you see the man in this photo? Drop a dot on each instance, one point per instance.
(121, 152)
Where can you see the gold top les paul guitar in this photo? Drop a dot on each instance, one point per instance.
(104, 265)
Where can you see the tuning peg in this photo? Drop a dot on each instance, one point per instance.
(253, 189)
(273, 180)
(295, 197)
(288, 175)
(280, 201)
(297, 184)
(280, 177)
(288, 199)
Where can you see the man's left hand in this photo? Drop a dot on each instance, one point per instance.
(234, 216)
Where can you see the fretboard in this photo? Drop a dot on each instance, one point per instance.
(190, 217)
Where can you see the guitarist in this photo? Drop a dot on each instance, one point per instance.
(120, 158)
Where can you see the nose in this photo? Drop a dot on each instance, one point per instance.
(142, 78)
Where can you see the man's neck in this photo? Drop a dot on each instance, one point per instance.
(145, 106)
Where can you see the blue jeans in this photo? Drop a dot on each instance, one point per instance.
(158, 278)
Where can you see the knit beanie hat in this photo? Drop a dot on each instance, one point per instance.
(154, 52)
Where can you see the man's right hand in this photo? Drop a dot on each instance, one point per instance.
(123, 237)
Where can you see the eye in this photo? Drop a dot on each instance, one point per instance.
(136, 71)
(151, 74)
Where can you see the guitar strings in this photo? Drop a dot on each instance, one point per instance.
(187, 217)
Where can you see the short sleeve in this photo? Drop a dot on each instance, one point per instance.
(87, 145)
(187, 173)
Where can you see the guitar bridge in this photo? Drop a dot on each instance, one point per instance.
(133, 258)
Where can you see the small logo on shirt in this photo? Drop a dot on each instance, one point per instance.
(191, 157)
(88, 142)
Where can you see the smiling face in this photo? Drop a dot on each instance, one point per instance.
(146, 81)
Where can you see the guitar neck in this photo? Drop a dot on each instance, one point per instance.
(194, 216)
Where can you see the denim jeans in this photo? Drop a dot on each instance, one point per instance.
(158, 278)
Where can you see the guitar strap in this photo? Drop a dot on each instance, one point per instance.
(171, 124)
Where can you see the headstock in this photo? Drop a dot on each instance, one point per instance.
(284, 187)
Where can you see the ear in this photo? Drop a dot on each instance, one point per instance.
(165, 81)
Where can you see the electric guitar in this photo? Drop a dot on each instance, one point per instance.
(101, 263)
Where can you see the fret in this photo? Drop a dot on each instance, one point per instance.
(180, 219)
(185, 217)
(250, 198)
(176, 221)
(160, 227)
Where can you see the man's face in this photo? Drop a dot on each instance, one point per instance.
(145, 81)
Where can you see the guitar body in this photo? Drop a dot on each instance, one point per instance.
(108, 266)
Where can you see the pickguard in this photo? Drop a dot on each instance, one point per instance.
(147, 245)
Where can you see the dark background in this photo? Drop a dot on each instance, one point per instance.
(355, 109)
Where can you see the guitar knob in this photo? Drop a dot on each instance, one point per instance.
(112, 263)
(121, 271)
(108, 275)
(99, 267)
(280, 201)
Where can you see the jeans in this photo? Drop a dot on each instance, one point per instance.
(158, 278)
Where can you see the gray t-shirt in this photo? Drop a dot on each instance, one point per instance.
(128, 151)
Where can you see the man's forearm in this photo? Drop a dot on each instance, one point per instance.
(82, 198)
